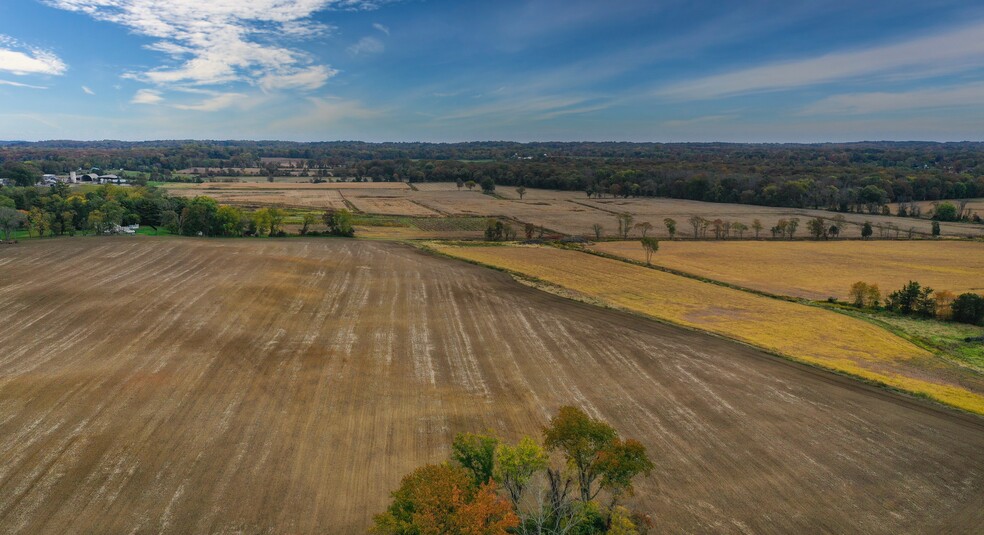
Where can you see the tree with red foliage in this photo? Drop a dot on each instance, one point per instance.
(442, 499)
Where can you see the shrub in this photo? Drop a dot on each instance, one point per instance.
(968, 308)
(912, 299)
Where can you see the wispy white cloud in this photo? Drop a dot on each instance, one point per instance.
(367, 45)
(147, 96)
(674, 123)
(222, 41)
(880, 102)
(380, 27)
(18, 84)
(322, 112)
(952, 51)
(517, 107)
(310, 78)
(218, 102)
(21, 59)
(88, 91)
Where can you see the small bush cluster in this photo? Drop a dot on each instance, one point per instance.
(913, 299)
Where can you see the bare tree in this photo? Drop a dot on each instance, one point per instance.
(624, 224)
(644, 227)
(718, 226)
(598, 229)
(696, 221)
(757, 227)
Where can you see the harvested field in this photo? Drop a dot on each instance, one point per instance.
(801, 332)
(571, 212)
(258, 198)
(927, 207)
(207, 186)
(567, 212)
(655, 210)
(417, 228)
(437, 186)
(413, 233)
(819, 269)
(180, 385)
(389, 206)
(555, 214)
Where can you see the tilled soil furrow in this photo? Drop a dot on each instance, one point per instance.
(207, 386)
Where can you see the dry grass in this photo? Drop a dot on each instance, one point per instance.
(573, 213)
(804, 333)
(285, 386)
(557, 213)
(569, 212)
(288, 198)
(209, 186)
(388, 206)
(927, 207)
(817, 270)
(655, 210)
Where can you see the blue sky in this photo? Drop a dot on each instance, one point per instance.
(410, 70)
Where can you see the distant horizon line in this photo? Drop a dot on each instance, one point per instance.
(692, 142)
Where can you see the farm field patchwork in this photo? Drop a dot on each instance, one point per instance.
(805, 333)
(820, 269)
(566, 212)
(572, 212)
(179, 385)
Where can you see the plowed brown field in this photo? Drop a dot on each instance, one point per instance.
(285, 386)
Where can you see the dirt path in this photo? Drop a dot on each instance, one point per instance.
(179, 385)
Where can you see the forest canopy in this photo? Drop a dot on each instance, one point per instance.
(836, 176)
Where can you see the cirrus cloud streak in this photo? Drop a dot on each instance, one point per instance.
(952, 51)
(223, 41)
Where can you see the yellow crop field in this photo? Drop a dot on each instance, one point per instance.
(818, 270)
(798, 331)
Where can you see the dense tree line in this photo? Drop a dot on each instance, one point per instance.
(844, 177)
(61, 210)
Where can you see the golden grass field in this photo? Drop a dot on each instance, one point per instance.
(180, 385)
(388, 206)
(820, 269)
(798, 331)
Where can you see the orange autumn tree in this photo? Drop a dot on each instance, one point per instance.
(442, 499)
(539, 494)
